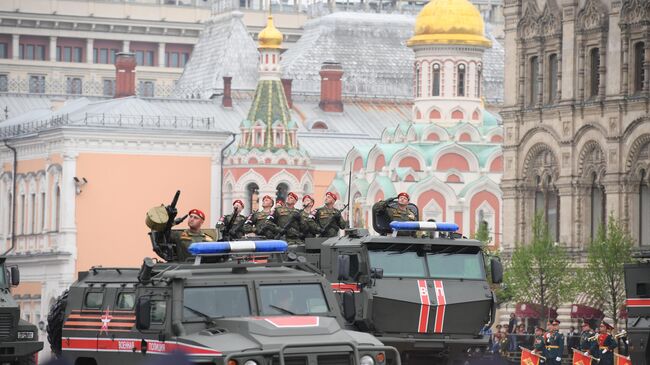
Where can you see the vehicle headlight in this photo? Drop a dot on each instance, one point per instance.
(26, 335)
(366, 360)
(250, 362)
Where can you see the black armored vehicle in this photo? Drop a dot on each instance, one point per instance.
(637, 288)
(18, 338)
(237, 309)
(427, 294)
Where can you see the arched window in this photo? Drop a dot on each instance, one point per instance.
(22, 222)
(552, 78)
(644, 210)
(534, 81)
(597, 206)
(252, 193)
(461, 80)
(639, 71)
(281, 191)
(418, 81)
(32, 213)
(547, 203)
(594, 74)
(435, 90)
(42, 211)
(479, 76)
(57, 209)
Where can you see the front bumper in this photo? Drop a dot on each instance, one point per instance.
(427, 344)
(11, 351)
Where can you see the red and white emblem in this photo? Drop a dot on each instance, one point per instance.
(423, 291)
(441, 300)
(106, 319)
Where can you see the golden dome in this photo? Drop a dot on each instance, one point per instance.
(449, 22)
(270, 37)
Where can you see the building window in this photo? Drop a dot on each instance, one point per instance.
(644, 210)
(4, 83)
(534, 81)
(144, 58)
(594, 74)
(435, 91)
(461, 80)
(252, 195)
(547, 203)
(37, 84)
(73, 85)
(597, 206)
(639, 70)
(31, 52)
(42, 210)
(109, 87)
(479, 77)
(57, 208)
(146, 89)
(104, 55)
(552, 78)
(22, 221)
(32, 213)
(418, 81)
(4, 50)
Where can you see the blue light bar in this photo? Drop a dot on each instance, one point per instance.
(211, 248)
(424, 226)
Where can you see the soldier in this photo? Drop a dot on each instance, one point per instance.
(402, 212)
(288, 220)
(606, 344)
(539, 348)
(183, 239)
(329, 219)
(587, 346)
(555, 344)
(259, 223)
(232, 225)
(308, 224)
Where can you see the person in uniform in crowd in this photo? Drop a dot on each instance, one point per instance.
(287, 219)
(555, 344)
(259, 224)
(183, 239)
(328, 218)
(539, 346)
(233, 223)
(401, 212)
(587, 346)
(606, 344)
(308, 224)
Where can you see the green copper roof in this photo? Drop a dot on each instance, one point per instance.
(386, 186)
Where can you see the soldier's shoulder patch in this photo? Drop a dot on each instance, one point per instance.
(185, 235)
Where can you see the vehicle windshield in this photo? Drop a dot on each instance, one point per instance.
(215, 302)
(3, 276)
(293, 299)
(418, 261)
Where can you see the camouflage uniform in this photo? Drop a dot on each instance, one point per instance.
(324, 216)
(183, 240)
(261, 225)
(236, 230)
(289, 218)
(308, 224)
(396, 214)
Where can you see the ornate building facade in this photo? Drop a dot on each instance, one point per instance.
(577, 131)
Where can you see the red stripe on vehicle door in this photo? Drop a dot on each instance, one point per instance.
(423, 291)
(440, 309)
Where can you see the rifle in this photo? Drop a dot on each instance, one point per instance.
(171, 213)
(161, 240)
(228, 227)
(283, 231)
(332, 219)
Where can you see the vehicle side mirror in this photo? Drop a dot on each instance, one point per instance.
(376, 272)
(344, 267)
(496, 270)
(143, 314)
(349, 307)
(15, 276)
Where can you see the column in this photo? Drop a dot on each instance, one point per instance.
(90, 45)
(568, 51)
(216, 188)
(15, 49)
(161, 55)
(68, 229)
(126, 46)
(52, 49)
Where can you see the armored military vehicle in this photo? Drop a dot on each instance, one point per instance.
(241, 311)
(427, 295)
(18, 338)
(637, 288)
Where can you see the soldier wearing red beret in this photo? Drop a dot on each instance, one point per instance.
(308, 224)
(399, 212)
(329, 219)
(287, 218)
(259, 223)
(232, 225)
(183, 239)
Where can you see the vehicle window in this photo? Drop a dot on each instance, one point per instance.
(126, 301)
(222, 301)
(3, 277)
(94, 300)
(158, 311)
(467, 265)
(398, 263)
(287, 299)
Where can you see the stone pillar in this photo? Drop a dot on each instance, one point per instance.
(126, 46)
(90, 45)
(68, 228)
(566, 212)
(52, 49)
(161, 55)
(331, 88)
(226, 101)
(15, 46)
(568, 49)
(124, 75)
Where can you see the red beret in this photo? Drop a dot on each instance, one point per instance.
(267, 197)
(307, 196)
(238, 201)
(279, 202)
(403, 194)
(291, 193)
(331, 195)
(197, 212)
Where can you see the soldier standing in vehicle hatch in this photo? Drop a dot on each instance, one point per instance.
(183, 239)
(287, 220)
(308, 224)
(329, 219)
(232, 225)
(259, 223)
(401, 212)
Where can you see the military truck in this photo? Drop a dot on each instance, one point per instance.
(427, 295)
(240, 310)
(18, 338)
(637, 289)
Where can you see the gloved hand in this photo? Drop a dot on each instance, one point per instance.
(586, 353)
(604, 351)
(558, 359)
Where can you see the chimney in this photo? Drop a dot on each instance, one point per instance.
(330, 87)
(286, 85)
(125, 74)
(226, 101)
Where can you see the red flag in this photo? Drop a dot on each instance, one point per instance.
(580, 359)
(621, 360)
(528, 358)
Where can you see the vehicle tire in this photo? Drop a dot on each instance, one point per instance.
(55, 323)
